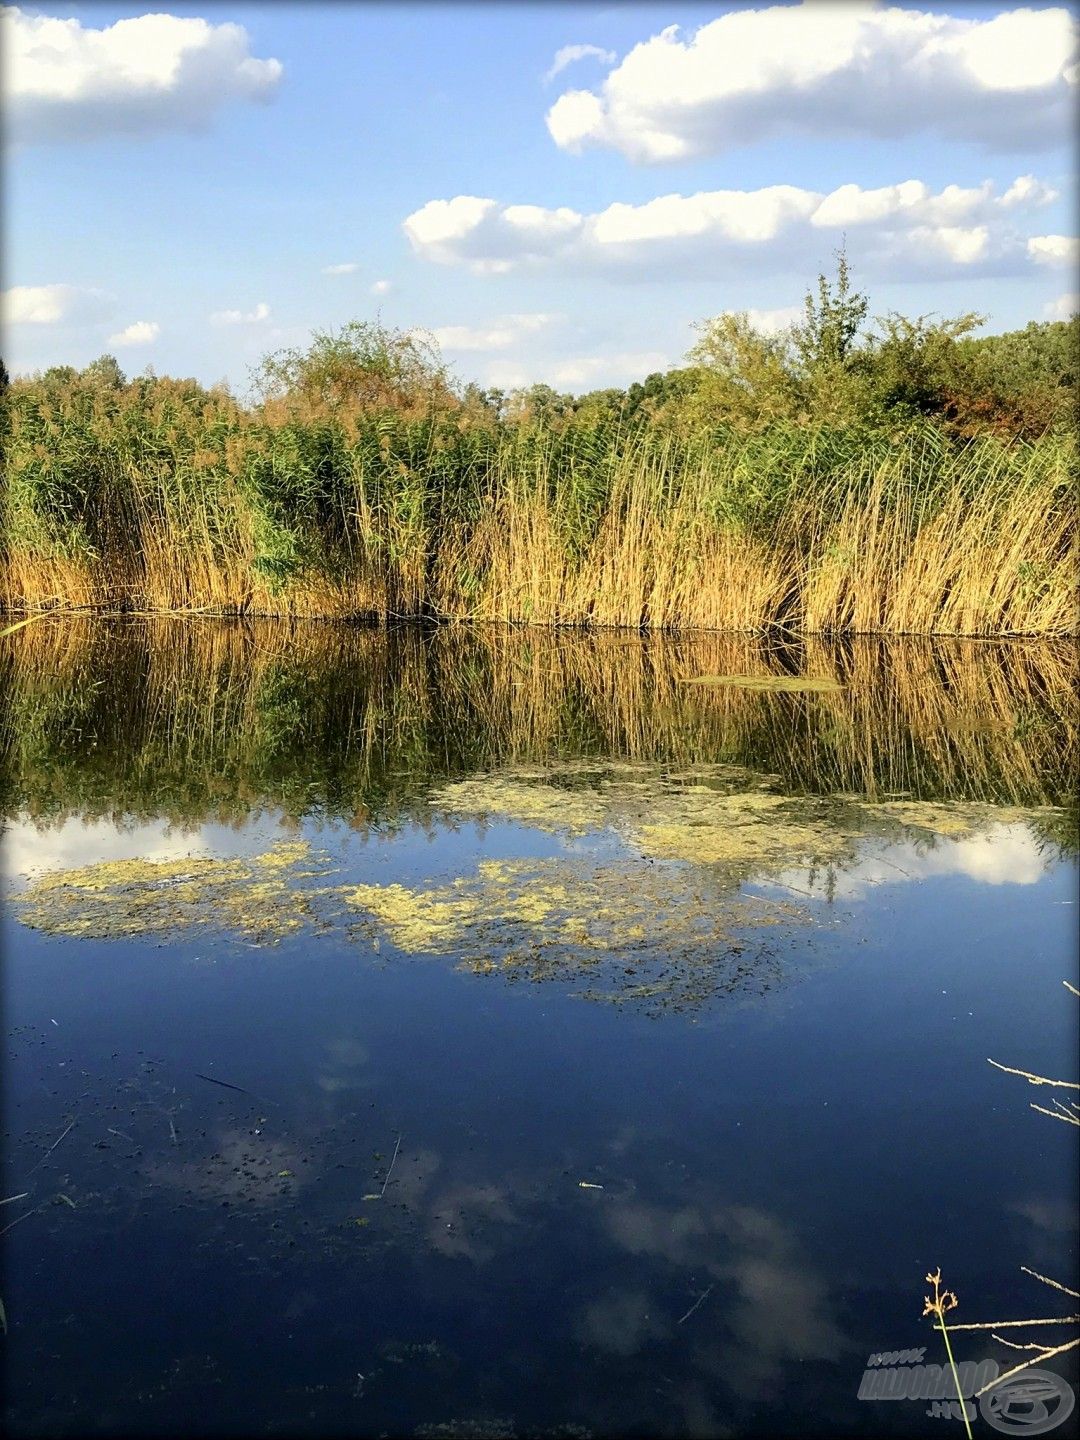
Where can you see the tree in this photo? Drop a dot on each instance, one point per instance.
(912, 364)
(540, 404)
(362, 368)
(829, 332)
(105, 371)
(746, 377)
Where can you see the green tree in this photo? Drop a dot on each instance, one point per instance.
(828, 335)
(745, 377)
(105, 372)
(362, 368)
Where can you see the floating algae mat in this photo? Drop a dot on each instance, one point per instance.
(632, 931)
(660, 920)
(257, 896)
(709, 814)
(767, 682)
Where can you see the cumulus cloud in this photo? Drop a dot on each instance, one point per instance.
(382, 287)
(771, 322)
(577, 372)
(54, 305)
(500, 335)
(1063, 308)
(64, 81)
(571, 54)
(33, 847)
(858, 69)
(347, 268)
(907, 228)
(139, 332)
(1006, 854)
(242, 317)
(1054, 249)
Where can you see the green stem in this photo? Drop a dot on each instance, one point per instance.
(956, 1377)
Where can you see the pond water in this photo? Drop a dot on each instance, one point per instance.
(495, 1033)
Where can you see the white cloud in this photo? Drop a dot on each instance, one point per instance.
(1027, 190)
(578, 372)
(149, 73)
(571, 54)
(771, 322)
(54, 305)
(907, 229)
(382, 287)
(1005, 854)
(1054, 249)
(33, 847)
(140, 332)
(853, 69)
(1063, 308)
(500, 335)
(241, 317)
(347, 268)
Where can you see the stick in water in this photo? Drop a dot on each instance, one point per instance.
(225, 1083)
(389, 1172)
(51, 1148)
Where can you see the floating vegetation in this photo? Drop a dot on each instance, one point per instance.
(711, 814)
(648, 909)
(767, 682)
(955, 822)
(633, 931)
(255, 896)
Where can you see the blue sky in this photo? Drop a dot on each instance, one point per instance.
(140, 209)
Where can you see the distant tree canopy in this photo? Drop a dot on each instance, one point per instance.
(827, 370)
(834, 368)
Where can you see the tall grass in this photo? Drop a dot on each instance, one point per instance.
(162, 496)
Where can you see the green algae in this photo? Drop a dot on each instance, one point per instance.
(628, 929)
(646, 907)
(256, 896)
(711, 814)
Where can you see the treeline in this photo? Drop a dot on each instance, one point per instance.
(903, 476)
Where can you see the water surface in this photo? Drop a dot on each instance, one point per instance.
(611, 1049)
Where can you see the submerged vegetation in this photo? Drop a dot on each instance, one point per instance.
(903, 479)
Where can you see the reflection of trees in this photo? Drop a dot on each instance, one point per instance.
(199, 719)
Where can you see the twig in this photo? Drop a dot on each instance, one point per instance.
(51, 1148)
(25, 1216)
(1001, 1324)
(1056, 1114)
(224, 1083)
(389, 1172)
(10, 1198)
(699, 1301)
(1035, 1079)
(1057, 1285)
(1045, 1355)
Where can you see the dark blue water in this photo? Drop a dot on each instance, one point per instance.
(604, 1215)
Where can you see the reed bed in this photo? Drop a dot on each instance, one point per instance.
(163, 498)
